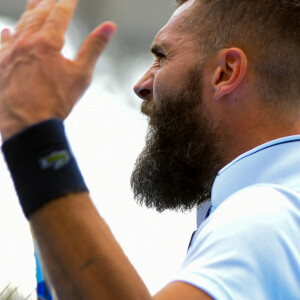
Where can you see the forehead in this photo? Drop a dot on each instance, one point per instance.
(176, 28)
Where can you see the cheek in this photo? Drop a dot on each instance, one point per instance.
(165, 85)
(159, 85)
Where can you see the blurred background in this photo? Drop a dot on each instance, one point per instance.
(107, 132)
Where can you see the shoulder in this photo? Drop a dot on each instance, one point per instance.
(253, 213)
(261, 203)
(236, 247)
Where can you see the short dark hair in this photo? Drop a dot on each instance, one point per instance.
(266, 30)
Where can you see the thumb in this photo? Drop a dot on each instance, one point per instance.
(94, 45)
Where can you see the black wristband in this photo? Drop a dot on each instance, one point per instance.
(42, 165)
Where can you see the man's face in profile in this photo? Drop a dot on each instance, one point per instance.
(181, 157)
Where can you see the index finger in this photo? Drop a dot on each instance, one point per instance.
(31, 4)
(60, 17)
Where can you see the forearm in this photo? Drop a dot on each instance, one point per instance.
(98, 269)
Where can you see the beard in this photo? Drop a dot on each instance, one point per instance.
(182, 155)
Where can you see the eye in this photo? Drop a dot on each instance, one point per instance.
(160, 57)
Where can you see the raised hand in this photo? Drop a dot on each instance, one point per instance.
(36, 81)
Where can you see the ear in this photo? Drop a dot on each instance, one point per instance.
(230, 69)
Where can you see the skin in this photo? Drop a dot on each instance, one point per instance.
(81, 256)
(175, 45)
(230, 94)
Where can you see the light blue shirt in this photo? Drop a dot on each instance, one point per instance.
(249, 247)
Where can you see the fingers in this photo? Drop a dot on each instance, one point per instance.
(31, 4)
(5, 37)
(60, 17)
(49, 15)
(39, 15)
(37, 11)
(6, 34)
(56, 16)
(94, 46)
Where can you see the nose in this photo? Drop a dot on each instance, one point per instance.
(144, 87)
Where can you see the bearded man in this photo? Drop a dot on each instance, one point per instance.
(222, 99)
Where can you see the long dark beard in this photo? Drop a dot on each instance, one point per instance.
(182, 157)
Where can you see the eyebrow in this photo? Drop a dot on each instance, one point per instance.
(156, 49)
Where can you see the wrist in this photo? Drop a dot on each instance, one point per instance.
(13, 126)
(9, 129)
(42, 165)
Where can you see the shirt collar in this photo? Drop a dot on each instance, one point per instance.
(272, 162)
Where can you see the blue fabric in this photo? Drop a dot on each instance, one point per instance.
(248, 247)
(275, 162)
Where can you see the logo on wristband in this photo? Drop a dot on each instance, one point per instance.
(55, 160)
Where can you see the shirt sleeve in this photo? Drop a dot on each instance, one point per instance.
(248, 248)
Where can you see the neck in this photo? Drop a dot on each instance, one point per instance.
(245, 138)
